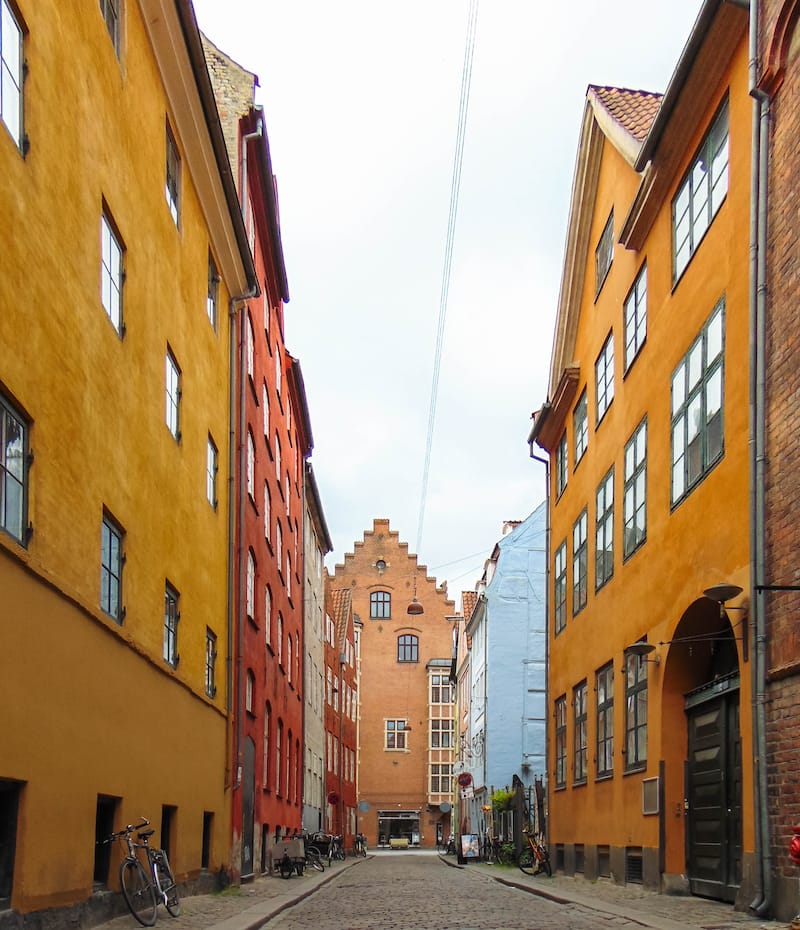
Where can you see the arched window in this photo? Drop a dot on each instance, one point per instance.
(279, 638)
(251, 466)
(380, 605)
(251, 584)
(289, 666)
(267, 725)
(267, 513)
(250, 688)
(408, 648)
(268, 615)
(278, 752)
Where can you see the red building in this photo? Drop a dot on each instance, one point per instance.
(273, 438)
(341, 714)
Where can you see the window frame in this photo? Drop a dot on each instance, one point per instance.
(442, 733)
(634, 314)
(441, 690)
(394, 731)
(212, 296)
(112, 271)
(212, 469)
(580, 757)
(636, 701)
(172, 616)
(604, 254)
(111, 567)
(211, 663)
(580, 562)
(441, 778)
(380, 605)
(604, 689)
(631, 491)
(13, 65)
(604, 531)
(173, 395)
(562, 465)
(560, 751)
(172, 183)
(407, 648)
(580, 427)
(604, 379)
(16, 475)
(560, 588)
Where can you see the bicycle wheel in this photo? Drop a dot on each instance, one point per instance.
(314, 858)
(167, 882)
(526, 861)
(544, 864)
(138, 891)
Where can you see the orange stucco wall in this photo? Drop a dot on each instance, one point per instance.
(702, 541)
(89, 706)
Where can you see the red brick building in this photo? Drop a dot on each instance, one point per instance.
(341, 710)
(273, 438)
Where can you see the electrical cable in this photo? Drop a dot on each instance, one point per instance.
(455, 185)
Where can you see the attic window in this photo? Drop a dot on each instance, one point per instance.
(604, 253)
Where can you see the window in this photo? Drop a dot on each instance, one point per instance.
(279, 638)
(635, 318)
(110, 11)
(395, 734)
(11, 73)
(635, 505)
(268, 615)
(265, 409)
(278, 543)
(277, 459)
(408, 648)
(211, 663)
(380, 605)
(604, 531)
(111, 562)
(171, 618)
(635, 711)
(561, 742)
(560, 588)
(580, 423)
(701, 194)
(249, 690)
(605, 720)
(441, 778)
(604, 253)
(278, 748)
(579, 700)
(267, 728)
(562, 465)
(278, 370)
(173, 176)
(441, 734)
(111, 272)
(267, 512)
(604, 377)
(251, 466)
(580, 567)
(288, 493)
(441, 690)
(212, 466)
(697, 406)
(250, 346)
(212, 299)
(173, 396)
(288, 574)
(13, 471)
(251, 585)
(289, 662)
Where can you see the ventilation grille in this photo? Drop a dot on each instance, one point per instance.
(633, 865)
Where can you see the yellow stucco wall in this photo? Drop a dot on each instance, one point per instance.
(702, 541)
(91, 707)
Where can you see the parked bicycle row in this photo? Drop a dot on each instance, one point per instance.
(533, 858)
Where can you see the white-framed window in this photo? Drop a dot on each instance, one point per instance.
(562, 465)
(212, 298)
(111, 272)
(604, 377)
(580, 566)
(212, 467)
(635, 711)
(267, 513)
(635, 499)
(605, 720)
(395, 734)
(560, 587)
(171, 618)
(278, 369)
(289, 658)
(441, 689)
(173, 395)
(279, 638)
(288, 487)
(250, 347)
(278, 459)
(697, 407)
(278, 542)
(267, 752)
(604, 531)
(441, 779)
(604, 253)
(14, 463)
(442, 734)
(701, 194)
(251, 585)
(112, 559)
(635, 312)
(251, 466)
(268, 615)
(211, 663)
(111, 14)
(561, 741)
(278, 757)
(265, 409)
(249, 691)
(11, 73)
(173, 176)
(580, 423)
(580, 696)
(288, 574)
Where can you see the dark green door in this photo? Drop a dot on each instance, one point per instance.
(714, 794)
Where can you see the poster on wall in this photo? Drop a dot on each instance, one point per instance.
(470, 847)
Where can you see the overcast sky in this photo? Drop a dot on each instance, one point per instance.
(361, 102)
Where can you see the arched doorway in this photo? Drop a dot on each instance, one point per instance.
(704, 644)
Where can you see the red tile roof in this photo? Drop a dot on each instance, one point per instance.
(633, 110)
(468, 601)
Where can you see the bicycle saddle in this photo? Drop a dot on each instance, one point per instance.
(145, 834)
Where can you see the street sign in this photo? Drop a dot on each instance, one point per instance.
(465, 779)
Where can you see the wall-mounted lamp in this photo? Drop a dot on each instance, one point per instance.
(643, 649)
(721, 593)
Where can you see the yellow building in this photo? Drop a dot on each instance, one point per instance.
(646, 425)
(122, 247)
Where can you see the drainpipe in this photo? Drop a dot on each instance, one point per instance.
(757, 438)
(240, 580)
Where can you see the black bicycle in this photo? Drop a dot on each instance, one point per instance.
(144, 888)
(360, 845)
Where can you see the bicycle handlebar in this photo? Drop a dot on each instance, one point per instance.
(128, 830)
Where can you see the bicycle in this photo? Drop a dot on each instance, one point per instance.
(360, 845)
(335, 848)
(534, 857)
(145, 888)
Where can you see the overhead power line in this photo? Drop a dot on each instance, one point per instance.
(455, 185)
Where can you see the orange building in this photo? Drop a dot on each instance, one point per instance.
(341, 714)
(123, 255)
(406, 731)
(646, 426)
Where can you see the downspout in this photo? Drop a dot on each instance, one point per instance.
(239, 581)
(758, 282)
(546, 462)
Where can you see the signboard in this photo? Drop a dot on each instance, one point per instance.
(467, 794)
(465, 779)
(470, 846)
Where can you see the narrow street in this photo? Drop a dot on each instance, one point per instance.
(420, 892)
